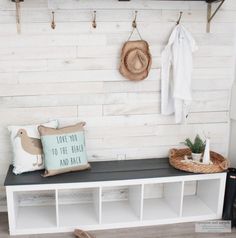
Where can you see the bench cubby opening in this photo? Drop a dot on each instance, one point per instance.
(121, 204)
(78, 207)
(162, 200)
(201, 197)
(35, 209)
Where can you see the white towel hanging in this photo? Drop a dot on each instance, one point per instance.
(176, 74)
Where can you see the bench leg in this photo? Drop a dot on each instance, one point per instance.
(12, 210)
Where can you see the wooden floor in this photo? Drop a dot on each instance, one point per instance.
(183, 230)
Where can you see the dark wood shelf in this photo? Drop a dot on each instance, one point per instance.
(101, 171)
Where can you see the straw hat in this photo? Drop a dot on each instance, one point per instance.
(135, 60)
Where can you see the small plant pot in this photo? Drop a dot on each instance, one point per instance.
(197, 157)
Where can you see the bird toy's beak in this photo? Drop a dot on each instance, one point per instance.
(16, 136)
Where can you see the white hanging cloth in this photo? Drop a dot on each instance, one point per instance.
(176, 74)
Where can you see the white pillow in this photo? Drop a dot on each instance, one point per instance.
(27, 147)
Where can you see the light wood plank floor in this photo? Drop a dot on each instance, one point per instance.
(183, 230)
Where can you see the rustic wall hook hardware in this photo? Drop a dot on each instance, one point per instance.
(134, 23)
(135, 27)
(53, 24)
(180, 16)
(211, 15)
(94, 23)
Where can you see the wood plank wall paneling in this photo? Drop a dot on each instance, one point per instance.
(71, 73)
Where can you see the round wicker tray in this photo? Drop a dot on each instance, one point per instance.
(176, 156)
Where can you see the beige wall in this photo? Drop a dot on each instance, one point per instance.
(71, 73)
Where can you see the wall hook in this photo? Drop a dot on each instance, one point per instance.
(53, 24)
(94, 23)
(134, 23)
(180, 16)
(135, 27)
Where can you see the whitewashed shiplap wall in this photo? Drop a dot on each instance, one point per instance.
(71, 73)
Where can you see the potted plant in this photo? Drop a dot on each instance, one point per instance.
(197, 147)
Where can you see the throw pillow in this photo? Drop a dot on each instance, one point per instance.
(27, 147)
(64, 149)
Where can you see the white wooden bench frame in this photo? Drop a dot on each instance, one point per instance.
(206, 205)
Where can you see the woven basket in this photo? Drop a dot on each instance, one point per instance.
(176, 156)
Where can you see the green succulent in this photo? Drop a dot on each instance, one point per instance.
(197, 146)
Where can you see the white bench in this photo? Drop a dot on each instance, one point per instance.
(149, 192)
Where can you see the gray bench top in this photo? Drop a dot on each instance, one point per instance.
(101, 171)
